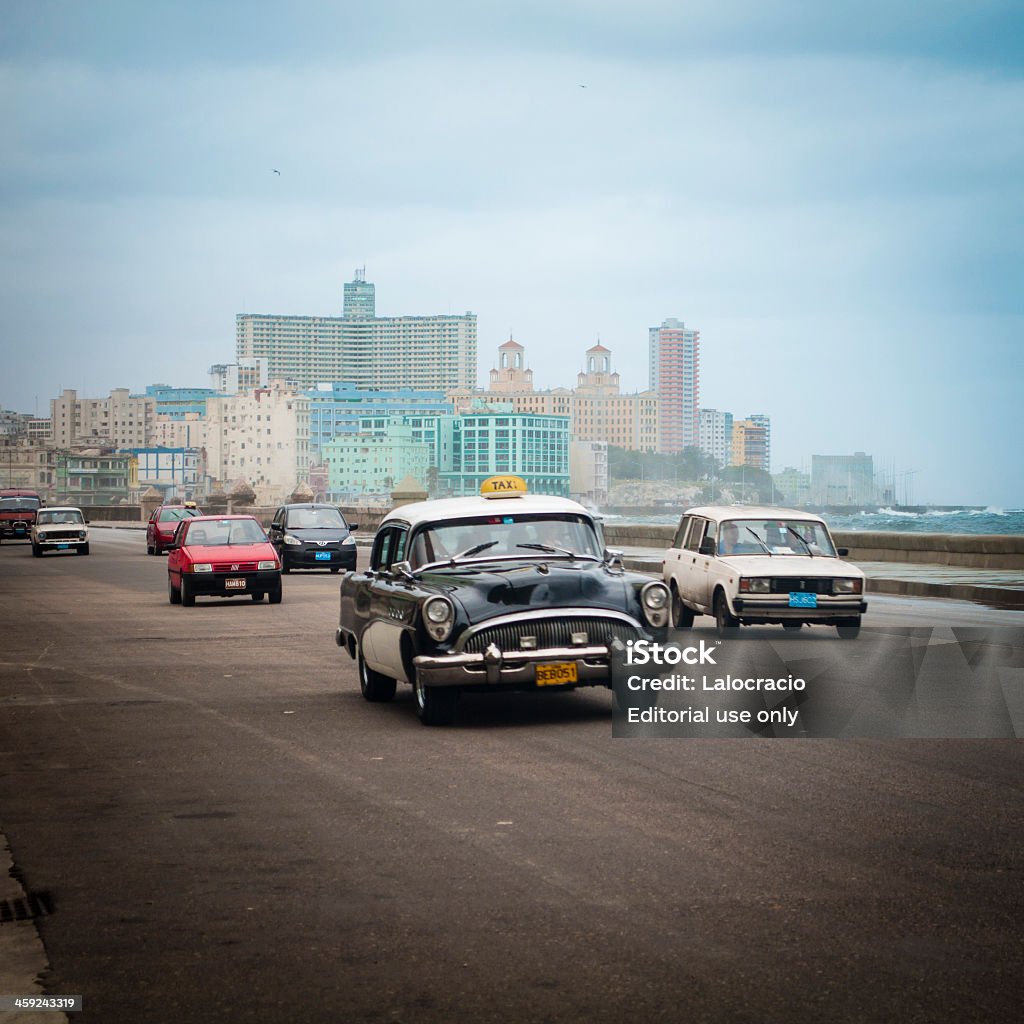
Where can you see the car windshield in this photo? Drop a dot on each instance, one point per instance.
(224, 532)
(18, 504)
(505, 536)
(315, 519)
(774, 537)
(59, 516)
(173, 515)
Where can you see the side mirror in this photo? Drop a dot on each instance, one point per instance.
(403, 569)
(842, 552)
(352, 527)
(86, 521)
(707, 546)
(613, 557)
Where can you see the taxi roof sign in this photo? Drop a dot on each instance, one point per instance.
(503, 487)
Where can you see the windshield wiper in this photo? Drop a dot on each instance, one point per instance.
(758, 539)
(474, 550)
(802, 541)
(549, 549)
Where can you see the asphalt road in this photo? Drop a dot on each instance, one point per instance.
(229, 833)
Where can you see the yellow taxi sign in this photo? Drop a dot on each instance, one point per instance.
(503, 487)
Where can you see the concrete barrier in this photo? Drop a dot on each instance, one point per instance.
(973, 551)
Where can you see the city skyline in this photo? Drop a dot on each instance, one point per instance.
(828, 201)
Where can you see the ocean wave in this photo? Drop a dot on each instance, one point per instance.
(898, 512)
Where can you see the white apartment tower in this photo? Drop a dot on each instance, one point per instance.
(429, 353)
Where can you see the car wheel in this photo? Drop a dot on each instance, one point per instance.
(792, 625)
(682, 617)
(258, 596)
(726, 623)
(188, 598)
(149, 549)
(285, 567)
(36, 551)
(275, 594)
(848, 629)
(173, 595)
(375, 686)
(436, 705)
(82, 549)
(335, 568)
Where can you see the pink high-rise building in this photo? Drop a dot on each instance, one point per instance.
(675, 377)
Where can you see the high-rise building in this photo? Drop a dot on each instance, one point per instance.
(121, 420)
(674, 367)
(431, 353)
(759, 419)
(750, 444)
(715, 437)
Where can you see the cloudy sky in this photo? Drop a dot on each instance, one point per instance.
(832, 194)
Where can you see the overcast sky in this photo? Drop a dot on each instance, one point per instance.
(832, 194)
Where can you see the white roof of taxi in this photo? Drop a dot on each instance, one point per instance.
(464, 508)
(720, 512)
(60, 508)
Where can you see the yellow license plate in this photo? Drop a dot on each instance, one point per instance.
(559, 674)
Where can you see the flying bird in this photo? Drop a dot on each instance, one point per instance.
(583, 87)
(275, 170)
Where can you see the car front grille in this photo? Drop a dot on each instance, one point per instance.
(550, 633)
(62, 535)
(234, 566)
(789, 584)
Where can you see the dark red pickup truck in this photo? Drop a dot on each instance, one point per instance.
(17, 513)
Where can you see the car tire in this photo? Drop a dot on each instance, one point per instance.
(257, 596)
(682, 617)
(848, 629)
(35, 550)
(285, 567)
(173, 595)
(149, 549)
(82, 549)
(436, 705)
(275, 594)
(726, 624)
(188, 598)
(335, 568)
(792, 625)
(375, 686)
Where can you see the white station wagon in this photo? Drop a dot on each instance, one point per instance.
(746, 565)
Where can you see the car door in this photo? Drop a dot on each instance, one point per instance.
(699, 565)
(674, 570)
(391, 603)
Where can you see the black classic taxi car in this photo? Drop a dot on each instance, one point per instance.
(507, 590)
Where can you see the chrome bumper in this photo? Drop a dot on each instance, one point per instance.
(495, 667)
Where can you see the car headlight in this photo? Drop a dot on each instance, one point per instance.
(289, 539)
(42, 535)
(439, 617)
(202, 567)
(847, 586)
(81, 534)
(756, 586)
(654, 598)
(266, 563)
(349, 540)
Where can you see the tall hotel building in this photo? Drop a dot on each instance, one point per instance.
(429, 353)
(675, 378)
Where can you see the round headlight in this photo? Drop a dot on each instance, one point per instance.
(439, 616)
(42, 535)
(655, 595)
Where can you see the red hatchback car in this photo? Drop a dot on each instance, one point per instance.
(222, 556)
(162, 524)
